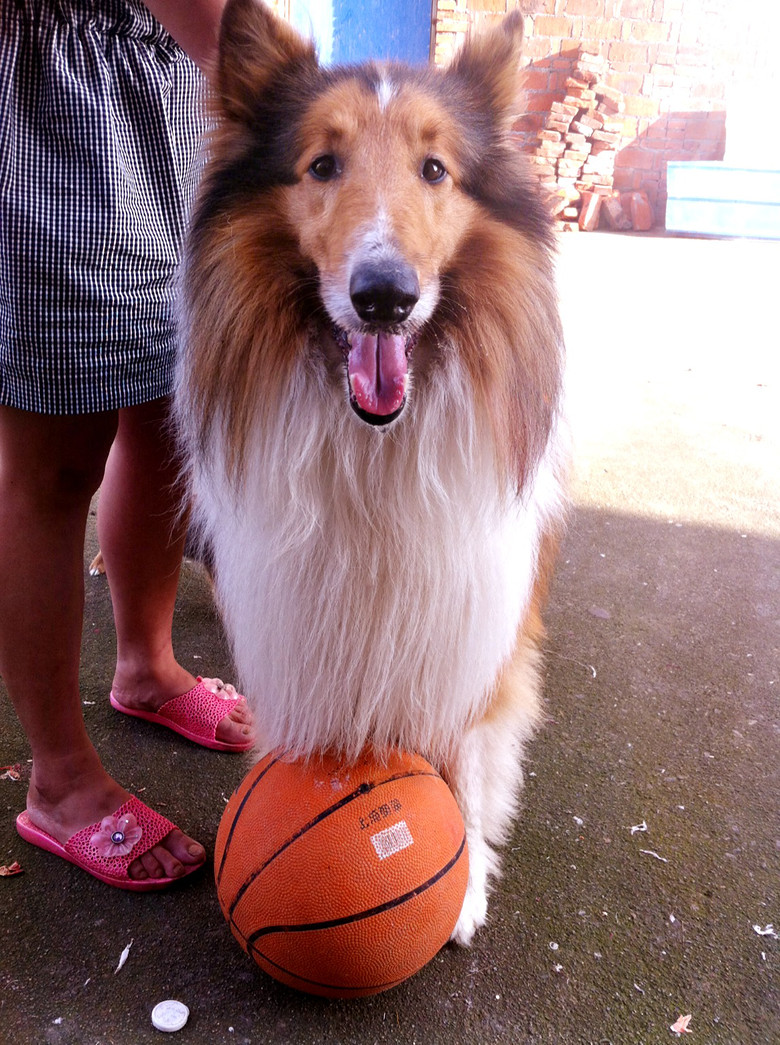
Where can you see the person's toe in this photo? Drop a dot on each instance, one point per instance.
(171, 858)
(241, 713)
(237, 727)
(148, 866)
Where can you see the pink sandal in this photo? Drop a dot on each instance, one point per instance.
(106, 849)
(195, 714)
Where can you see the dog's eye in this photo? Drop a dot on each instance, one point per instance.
(433, 171)
(324, 167)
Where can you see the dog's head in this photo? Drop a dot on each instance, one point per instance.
(379, 204)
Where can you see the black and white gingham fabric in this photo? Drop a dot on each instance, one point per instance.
(100, 128)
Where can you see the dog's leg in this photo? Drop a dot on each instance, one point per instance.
(485, 774)
(465, 775)
(97, 566)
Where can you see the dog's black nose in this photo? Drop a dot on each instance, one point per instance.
(384, 293)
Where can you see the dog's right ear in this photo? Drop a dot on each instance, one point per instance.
(256, 48)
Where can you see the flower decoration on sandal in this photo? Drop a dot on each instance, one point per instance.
(220, 688)
(117, 835)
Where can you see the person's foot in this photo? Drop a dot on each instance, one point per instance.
(149, 694)
(63, 799)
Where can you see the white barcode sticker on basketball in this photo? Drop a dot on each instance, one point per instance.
(392, 840)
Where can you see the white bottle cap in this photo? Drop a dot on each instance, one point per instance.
(170, 1015)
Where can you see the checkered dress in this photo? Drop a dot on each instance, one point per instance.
(100, 128)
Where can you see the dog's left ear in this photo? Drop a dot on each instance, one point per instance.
(489, 65)
(257, 50)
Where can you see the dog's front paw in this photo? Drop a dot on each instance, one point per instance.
(97, 566)
(473, 916)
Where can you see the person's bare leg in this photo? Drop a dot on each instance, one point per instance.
(49, 469)
(141, 532)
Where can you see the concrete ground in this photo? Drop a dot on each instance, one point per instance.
(663, 679)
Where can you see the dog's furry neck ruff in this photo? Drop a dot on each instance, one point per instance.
(377, 549)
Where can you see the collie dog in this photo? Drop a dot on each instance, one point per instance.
(369, 401)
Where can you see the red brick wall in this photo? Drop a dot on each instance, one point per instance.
(674, 60)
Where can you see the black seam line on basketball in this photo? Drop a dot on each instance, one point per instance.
(243, 802)
(364, 789)
(369, 987)
(360, 915)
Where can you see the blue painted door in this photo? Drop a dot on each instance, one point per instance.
(349, 31)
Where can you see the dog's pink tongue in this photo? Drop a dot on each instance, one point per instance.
(377, 372)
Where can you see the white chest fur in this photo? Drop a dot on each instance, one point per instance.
(372, 583)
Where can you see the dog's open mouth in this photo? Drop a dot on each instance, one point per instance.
(378, 373)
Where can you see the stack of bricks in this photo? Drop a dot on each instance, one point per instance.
(452, 27)
(577, 147)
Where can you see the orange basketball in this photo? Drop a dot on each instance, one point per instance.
(341, 880)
